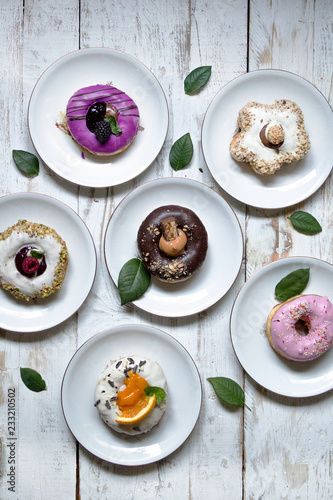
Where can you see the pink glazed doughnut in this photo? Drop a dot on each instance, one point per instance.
(117, 103)
(301, 328)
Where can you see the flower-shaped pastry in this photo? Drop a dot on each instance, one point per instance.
(270, 135)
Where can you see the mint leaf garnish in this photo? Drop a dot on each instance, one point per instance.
(292, 284)
(115, 129)
(133, 281)
(32, 380)
(160, 393)
(228, 390)
(197, 79)
(27, 163)
(37, 254)
(181, 152)
(305, 222)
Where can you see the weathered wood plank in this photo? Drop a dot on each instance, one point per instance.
(285, 439)
(36, 33)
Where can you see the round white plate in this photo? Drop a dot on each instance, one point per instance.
(248, 331)
(294, 182)
(20, 316)
(225, 245)
(90, 67)
(184, 395)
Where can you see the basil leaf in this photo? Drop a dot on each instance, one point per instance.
(181, 152)
(115, 129)
(160, 393)
(305, 223)
(228, 390)
(197, 79)
(36, 254)
(32, 380)
(27, 163)
(292, 284)
(133, 281)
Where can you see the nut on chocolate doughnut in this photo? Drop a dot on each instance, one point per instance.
(172, 243)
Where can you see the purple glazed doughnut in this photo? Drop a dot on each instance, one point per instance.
(117, 104)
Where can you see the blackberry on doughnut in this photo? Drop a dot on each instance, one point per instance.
(102, 119)
(172, 243)
(301, 328)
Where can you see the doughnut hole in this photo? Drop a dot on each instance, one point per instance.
(302, 327)
(111, 111)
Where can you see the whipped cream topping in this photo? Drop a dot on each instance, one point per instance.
(317, 312)
(10, 246)
(111, 381)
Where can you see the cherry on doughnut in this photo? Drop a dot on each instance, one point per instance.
(30, 265)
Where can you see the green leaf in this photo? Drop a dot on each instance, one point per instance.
(32, 380)
(181, 152)
(133, 281)
(37, 254)
(27, 163)
(160, 393)
(197, 79)
(305, 223)
(115, 129)
(292, 284)
(228, 390)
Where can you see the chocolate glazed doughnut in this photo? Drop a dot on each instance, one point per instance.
(172, 243)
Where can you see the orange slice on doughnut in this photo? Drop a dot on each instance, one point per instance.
(137, 412)
(133, 401)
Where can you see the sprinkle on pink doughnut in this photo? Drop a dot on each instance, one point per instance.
(317, 312)
(128, 118)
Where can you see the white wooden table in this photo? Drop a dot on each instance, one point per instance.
(283, 447)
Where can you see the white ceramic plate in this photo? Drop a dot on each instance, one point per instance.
(20, 316)
(89, 67)
(225, 245)
(184, 395)
(294, 182)
(248, 331)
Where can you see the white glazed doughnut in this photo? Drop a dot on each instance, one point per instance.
(24, 275)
